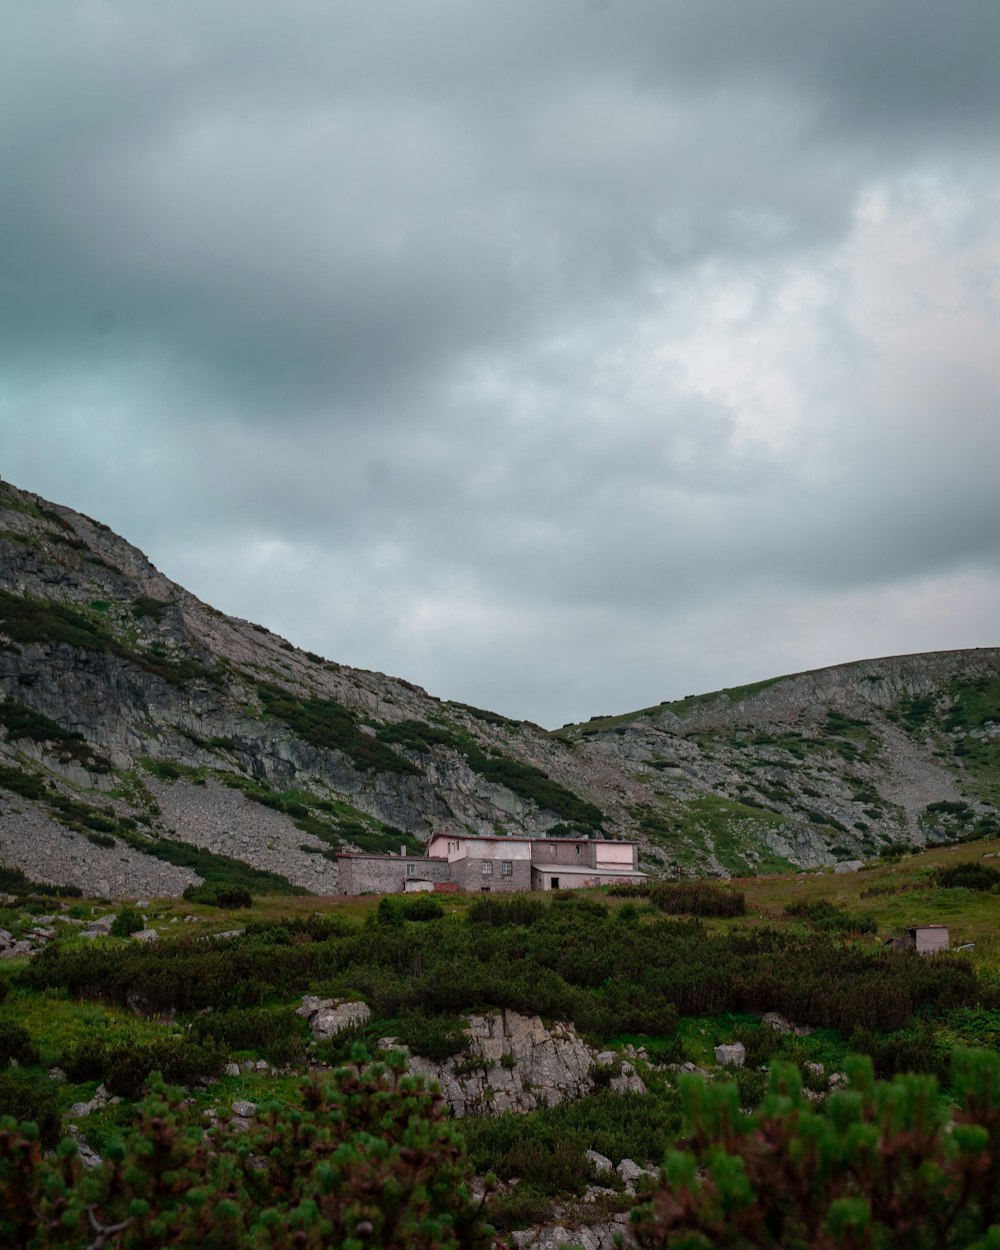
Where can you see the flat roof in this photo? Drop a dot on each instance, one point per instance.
(420, 859)
(568, 870)
(502, 837)
(484, 837)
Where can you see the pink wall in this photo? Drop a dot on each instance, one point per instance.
(618, 854)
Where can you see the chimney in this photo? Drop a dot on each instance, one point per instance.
(402, 848)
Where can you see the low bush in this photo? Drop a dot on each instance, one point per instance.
(915, 1049)
(33, 1097)
(218, 871)
(639, 1126)
(881, 1166)
(231, 897)
(495, 911)
(126, 1066)
(580, 903)
(968, 876)
(369, 1161)
(422, 907)
(126, 922)
(570, 964)
(13, 881)
(697, 898)
(311, 928)
(278, 1034)
(16, 1043)
(831, 918)
(436, 1037)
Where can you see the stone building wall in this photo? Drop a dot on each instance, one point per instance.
(386, 874)
(469, 874)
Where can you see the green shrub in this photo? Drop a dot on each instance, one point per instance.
(436, 1037)
(32, 1097)
(422, 907)
(219, 870)
(369, 1161)
(28, 620)
(638, 1126)
(151, 609)
(915, 1049)
(126, 922)
(13, 881)
(580, 903)
(16, 1043)
(831, 918)
(230, 897)
(697, 898)
(277, 1033)
(968, 876)
(570, 964)
(880, 1167)
(495, 911)
(125, 1067)
(390, 912)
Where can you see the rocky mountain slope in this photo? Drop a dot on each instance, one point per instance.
(147, 742)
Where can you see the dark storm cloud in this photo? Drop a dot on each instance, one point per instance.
(567, 331)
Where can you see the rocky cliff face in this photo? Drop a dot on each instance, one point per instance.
(815, 767)
(147, 741)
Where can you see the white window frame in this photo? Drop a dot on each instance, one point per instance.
(487, 867)
(506, 868)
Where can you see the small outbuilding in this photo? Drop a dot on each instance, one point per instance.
(925, 939)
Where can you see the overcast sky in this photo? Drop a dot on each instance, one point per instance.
(559, 355)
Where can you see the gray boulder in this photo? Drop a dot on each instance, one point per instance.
(732, 1055)
(328, 1019)
(601, 1164)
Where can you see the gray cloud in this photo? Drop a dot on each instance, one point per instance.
(552, 355)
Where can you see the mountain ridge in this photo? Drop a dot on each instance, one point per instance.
(150, 741)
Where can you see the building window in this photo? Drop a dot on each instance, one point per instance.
(506, 868)
(411, 870)
(484, 889)
(578, 848)
(487, 868)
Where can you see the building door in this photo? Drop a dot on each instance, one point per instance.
(555, 883)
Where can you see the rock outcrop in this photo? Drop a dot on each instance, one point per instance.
(517, 1063)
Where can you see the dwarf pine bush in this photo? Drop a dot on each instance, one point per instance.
(369, 1163)
(886, 1165)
